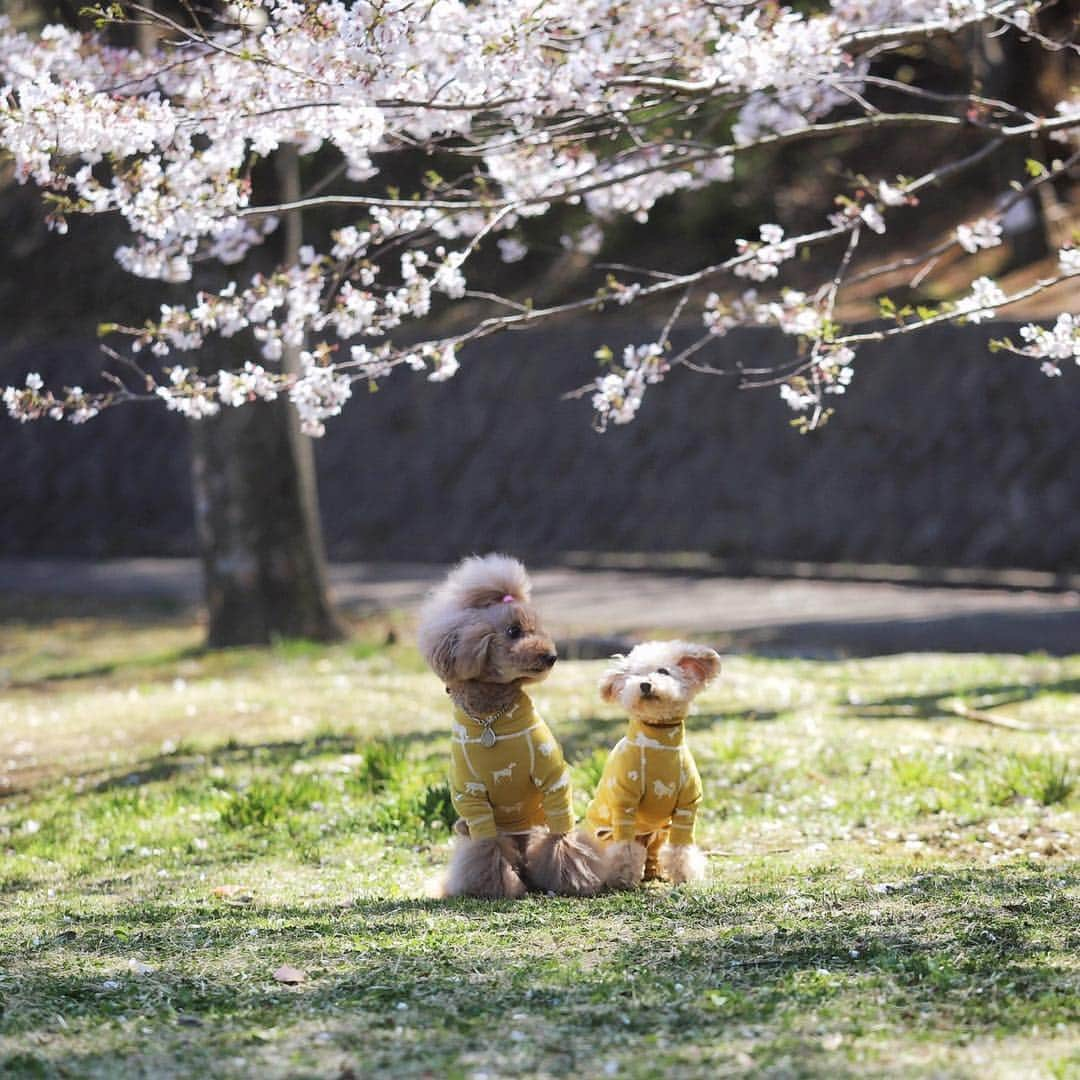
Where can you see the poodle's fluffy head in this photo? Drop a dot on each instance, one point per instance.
(658, 679)
(479, 625)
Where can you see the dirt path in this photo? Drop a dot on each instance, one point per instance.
(593, 609)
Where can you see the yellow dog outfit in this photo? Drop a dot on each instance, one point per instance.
(650, 789)
(507, 775)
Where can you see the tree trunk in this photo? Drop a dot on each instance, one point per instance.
(259, 535)
(257, 510)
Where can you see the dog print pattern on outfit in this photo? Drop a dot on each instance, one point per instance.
(520, 782)
(650, 784)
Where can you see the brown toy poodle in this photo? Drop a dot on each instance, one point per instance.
(509, 782)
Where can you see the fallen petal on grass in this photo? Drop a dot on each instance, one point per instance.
(235, 894)
(289, 975)
(883, 888)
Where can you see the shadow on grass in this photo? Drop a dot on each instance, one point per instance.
(932, 706)
(130, 665)
(281, 754)
(1003, 631)
(965, 952)
(583, 737)
(161, 665)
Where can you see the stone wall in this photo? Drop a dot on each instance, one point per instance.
(940, 454)
(118, 485)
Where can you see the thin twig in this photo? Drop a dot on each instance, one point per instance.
(719, 853)
(781, 138)
(959, 708)
(939, 249)
(946, 316)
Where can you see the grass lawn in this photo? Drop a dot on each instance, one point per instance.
(894, 890)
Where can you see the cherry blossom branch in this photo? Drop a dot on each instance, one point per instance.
(946, 99)
(810, 132)
(930, 28)
(1042, 285)
(547, 116)
(1010, 200)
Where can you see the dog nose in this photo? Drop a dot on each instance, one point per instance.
(646, 687)
(550, 659)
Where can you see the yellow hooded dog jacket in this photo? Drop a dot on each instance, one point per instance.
(650, 784)
(520, 782)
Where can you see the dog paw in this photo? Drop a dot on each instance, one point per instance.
(681, 863)
(568, 865)
(481, 868)
(624, 865)
(653, 872)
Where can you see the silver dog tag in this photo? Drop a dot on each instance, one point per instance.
(487, 738)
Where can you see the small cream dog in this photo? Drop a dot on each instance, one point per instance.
(508, 780)
(646, 802)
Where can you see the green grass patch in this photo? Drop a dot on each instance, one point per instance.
(894, 889)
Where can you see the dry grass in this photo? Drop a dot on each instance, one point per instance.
(894, 888)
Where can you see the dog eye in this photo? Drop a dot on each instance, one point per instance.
(514, 630)
(662, 671)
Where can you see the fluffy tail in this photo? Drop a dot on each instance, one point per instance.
(624, 864)
(485, 869)
(682, 863)
(566, 865)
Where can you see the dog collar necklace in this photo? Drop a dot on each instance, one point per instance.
(663, 723)
(488, 738)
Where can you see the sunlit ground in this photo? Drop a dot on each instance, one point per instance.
(894, 887)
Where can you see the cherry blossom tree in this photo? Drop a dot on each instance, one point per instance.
(521, 111)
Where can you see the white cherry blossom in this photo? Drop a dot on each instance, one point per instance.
(539, 108)
(984, 297)
(984, 233)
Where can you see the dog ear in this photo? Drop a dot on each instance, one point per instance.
(474, 642)
(442, 656)
(611, 684)
(699, 664)
(462, 654)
